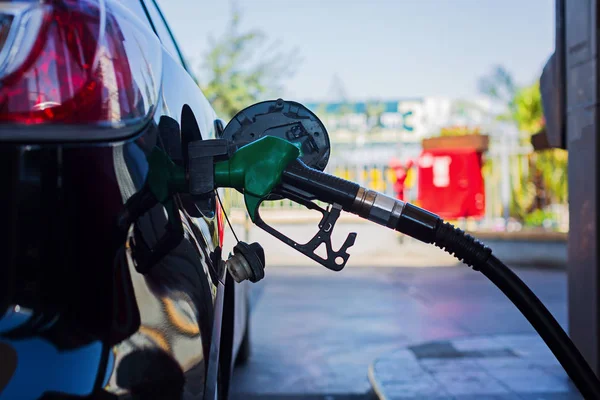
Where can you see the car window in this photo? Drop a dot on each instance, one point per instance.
(163, 31)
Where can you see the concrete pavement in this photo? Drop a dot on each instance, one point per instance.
(499, 367)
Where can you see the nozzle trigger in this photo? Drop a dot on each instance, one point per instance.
(336, 260)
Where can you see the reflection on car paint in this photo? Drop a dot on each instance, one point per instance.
(164, 325)
(181, 318)
(25, 358)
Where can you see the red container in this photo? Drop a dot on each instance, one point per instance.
(451, 183)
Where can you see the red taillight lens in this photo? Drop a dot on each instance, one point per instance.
(76, 62)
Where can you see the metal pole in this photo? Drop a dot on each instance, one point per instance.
(577, 25)
(505, 178)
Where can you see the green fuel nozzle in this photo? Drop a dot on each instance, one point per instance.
(256, 169)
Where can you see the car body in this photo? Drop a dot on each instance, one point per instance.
(70, 286)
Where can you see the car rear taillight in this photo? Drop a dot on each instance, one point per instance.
(66, 63)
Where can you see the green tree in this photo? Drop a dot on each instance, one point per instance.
(548, 167)
(546, 181)
(243, 67)
(527, 109)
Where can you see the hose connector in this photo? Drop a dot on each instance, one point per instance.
(377, 207)
(396, 214)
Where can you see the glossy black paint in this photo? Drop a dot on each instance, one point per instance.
(9, 165)
(76, 270)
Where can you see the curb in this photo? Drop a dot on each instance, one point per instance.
(469, 367)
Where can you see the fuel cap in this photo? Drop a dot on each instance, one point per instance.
(284, 119)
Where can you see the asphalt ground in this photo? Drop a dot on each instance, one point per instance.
(315, 332)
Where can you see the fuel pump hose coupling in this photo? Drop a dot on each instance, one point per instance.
(396, 214)
(377, 207)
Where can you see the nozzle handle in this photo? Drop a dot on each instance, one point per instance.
(322, 186)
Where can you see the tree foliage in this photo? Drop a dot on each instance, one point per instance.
(527, 109)
(243, 67)
(545, 182)
(548, 166)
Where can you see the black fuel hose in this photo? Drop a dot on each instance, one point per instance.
(546, 326)
(474, 253)
(429, 228)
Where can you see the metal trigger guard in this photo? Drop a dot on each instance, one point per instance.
(336, 260)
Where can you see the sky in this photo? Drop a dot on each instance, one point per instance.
(382, 49)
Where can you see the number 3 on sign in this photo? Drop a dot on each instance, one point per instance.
(441, 171)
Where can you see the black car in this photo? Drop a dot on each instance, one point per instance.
(89, 90)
